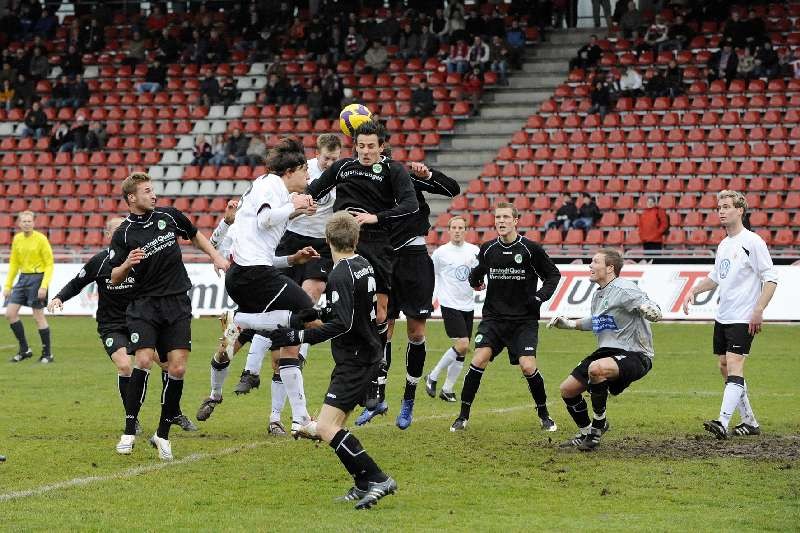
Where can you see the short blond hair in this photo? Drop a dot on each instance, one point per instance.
(131, 183)
(457, 217)
(27, 212)
(329, 141)
(738, 198)
(507, 205)
(342, 231)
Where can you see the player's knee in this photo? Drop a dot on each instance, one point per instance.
(527, 365)
(416, 337)
(124, 368)
(597, 371)
(565, 390)
(481, 359)
(326, 430)
(177, 369)
(461, 346)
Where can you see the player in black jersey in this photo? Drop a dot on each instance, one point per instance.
(160, 314)
(513, 265)
(350, 325)
(377, 192)
(413, 282)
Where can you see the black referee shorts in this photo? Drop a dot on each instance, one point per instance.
(520, 337)
(26, 291)
(457, 324)
(160, 322)
(733, 338)
(349, 385)
(258, 289)
(633, 366)
(316, 268)
(413, 281)
(114, 337)
(374, 246)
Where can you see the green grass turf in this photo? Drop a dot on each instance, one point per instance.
(656, 470)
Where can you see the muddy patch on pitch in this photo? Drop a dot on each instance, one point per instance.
(763, 447)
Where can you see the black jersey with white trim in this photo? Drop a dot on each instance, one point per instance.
(513, 271)
(161, 272)
(383, 189)
(112, 299)
(349, 322)
(418, 224)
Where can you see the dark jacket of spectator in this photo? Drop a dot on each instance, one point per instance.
(723, 64)
(36, 119)
(588, 55)
(24, 92)
(209, 89)
(228, 93)
(422, 102)
(736, 30)
(72, 62)
(92, 37)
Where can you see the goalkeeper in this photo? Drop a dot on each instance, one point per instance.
(620, 315)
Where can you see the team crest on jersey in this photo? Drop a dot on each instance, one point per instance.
(111, 254)
(377, 168)
(162, 224)
(109, 342)
(724, 268)
(518, 259)
(462, 273)
(82, 273)
(478, 338)
(134, 337)
(334, 297)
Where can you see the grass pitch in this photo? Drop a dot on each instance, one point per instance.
(656, 469)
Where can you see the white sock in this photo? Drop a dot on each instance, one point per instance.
(263, 321)
(304, 350)
(745, 410)
(218, 377)
(447, 359)
(278, 400)
(258, 350)
(730, 399)
(293, 381)
(452, 375)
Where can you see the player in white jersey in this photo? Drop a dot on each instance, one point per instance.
(451, 265)
(267, 298)
(746, 279)
(620, 315)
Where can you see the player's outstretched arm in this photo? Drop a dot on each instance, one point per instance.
(433, 181)
(203, 244)
(74, 287)
(705, 285)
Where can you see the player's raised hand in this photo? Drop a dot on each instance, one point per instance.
(561, 322)
(135, 257)
(230, 211)
(366, 218)
(756, 321)
(650, 311)
(303, 255)
(55, 305)
(689, 300)
(419, 169)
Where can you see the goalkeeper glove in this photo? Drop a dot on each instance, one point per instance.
(286, 337)
(650, 311)
(562, 322)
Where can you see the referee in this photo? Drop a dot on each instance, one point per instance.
(32, 256)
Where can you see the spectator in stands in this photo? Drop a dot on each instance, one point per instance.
(631, 83)
(60, 95)
(422, 103)
(498, 59)
(202, 151)
(353, 44)
(457, 59)
(723, 63)
(155, 79)
(678, 36)
(235, 152)
(316, 44)
(766, 61)
(209, 88)
(564, 216)
(92, 36)
(135, 50)
(296, 94)
(59, 136)
(79, 92)
(438, 25)
(35, 122)
(409, 43)
(479, 54)
(657, 34)
(217, 48)
(428, 43)
(72, 62)
(376, 58)
(655, 84)
(22, 62)
(8, 73)
(24, 92)
(746, 65)
(157, 21)
(560, 13)
(588, 214)
(653, 225)
(229, 93)
(197, 50)
(39, 65)
(257, 151)
(600, 97)
(46, 25)
(315, 103)
(631, 22)
(78, 133)
(96, 137)
(7, 95)
(456, 15)
(588, 55)
(786, 63)
(167, 48)
(606, 5)
(756, 30)
(473, 87)
(736, 31)
(674, 79)
(332, 92)
(276, 90)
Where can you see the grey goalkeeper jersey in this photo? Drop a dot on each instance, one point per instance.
(616, 319)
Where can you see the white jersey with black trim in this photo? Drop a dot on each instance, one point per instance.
(261, 220)
(742, 266)
(314, 225)
(452, 264)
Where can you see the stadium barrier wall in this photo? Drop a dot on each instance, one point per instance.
(665, 284)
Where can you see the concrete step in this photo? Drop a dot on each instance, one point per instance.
(553, 51)
(547, 66)
(460, 173)
(517, 113)
(471, 157)
(477, 142)
(486, 126)
(572, 36)
(519, 96)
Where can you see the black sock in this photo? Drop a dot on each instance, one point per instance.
(356, 460)
(415, 363)
(122, 382)
(578, 410)
(170, 405)
(539, 395)
(599, 396)
(387, 354)
(471, 383)
(134, 397)
(19, 333)
(383, 375)
(44, 334)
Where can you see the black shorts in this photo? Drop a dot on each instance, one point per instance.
(114, 338)
(316, 268)
(258, 289)
(733, 338)
(245, 336)
(632, 366)
(520, 337)
(349, 384)
(413, 280)
(457, 324)
(160, 322)
(374, 246)
(26, 292)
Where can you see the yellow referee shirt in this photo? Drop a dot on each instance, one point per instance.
(30, 254)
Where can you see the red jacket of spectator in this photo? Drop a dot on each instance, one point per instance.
(653, 224)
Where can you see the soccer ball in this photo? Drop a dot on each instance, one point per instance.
(352, 117)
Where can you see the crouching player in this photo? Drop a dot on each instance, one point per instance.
(620, 315)
(350, 324)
